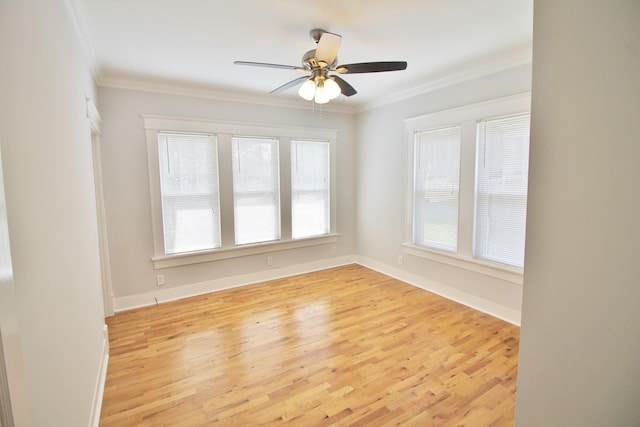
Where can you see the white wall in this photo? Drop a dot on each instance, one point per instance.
(46, 153)
(580, 336)
(381, 183)
(127, 200)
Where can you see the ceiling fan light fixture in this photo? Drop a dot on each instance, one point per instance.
(308, 89)
(323, 84)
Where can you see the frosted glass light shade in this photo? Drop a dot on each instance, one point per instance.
(332, 88)
(308, 89)
(322, 94)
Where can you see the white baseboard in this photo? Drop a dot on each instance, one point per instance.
(179, 292)
(170, 294)
(96, 408)
(491, 308)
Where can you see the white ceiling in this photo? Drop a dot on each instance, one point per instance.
(193, 43)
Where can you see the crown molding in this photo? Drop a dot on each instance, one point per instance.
(442, 80)
(446, 79)
(146, 84)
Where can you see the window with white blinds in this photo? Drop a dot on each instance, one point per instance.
(502, 170)
(188, 167)
(217, 193)
(436, 188)
(309, 188)
(256, 183)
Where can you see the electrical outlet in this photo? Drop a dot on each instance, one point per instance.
(269, 261)
(334, 250)
(400, 260)
(160, 279)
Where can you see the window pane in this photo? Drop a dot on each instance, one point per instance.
(501, 197)
(256, 190)
(189, 186)
(309, 188)
(437, 188)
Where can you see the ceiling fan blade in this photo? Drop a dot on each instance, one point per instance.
(289, 85)
(264, 64)
(371, 67)
(345, 88)
(327, 49)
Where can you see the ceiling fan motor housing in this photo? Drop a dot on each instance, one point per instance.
(310, 63)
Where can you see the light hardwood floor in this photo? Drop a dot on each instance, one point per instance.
(346, 347)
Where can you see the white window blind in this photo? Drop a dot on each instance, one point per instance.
(436, 188)
(309, 188)
(501, 196)
(188, 166)
(256, 189)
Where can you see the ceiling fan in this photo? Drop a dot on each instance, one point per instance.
(323, 84)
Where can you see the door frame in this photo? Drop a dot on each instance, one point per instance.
(105, 262)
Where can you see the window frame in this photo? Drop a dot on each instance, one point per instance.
(240, 196)
(418, 229)
(467, 117)
(322, 191)
(482, 195)
(224, 132)
(167, 197)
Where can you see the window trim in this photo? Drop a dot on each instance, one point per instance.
(467, 117)
(186, 258)
(224, 131)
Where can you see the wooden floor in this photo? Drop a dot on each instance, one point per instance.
(344, 347)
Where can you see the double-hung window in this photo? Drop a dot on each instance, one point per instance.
(502, 171)
(437, 188)
(467, 186)
(222, 190)
(310, 191)
(256, 185)
(188, 166)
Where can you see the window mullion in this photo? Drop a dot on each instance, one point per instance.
(226, 190)
(154, 191)
(467, 188)
(285, 188)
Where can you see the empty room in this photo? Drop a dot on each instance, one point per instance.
(420, 213)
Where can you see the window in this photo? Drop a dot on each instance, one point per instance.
(223, 190)
(188, 167)
(466, 188)
(501, 196)
(256, 190)
(437, 188)
(309, 188)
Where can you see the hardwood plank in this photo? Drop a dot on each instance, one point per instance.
(345, 347)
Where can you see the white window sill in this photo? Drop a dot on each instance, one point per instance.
(165, 261)
(513, 275)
